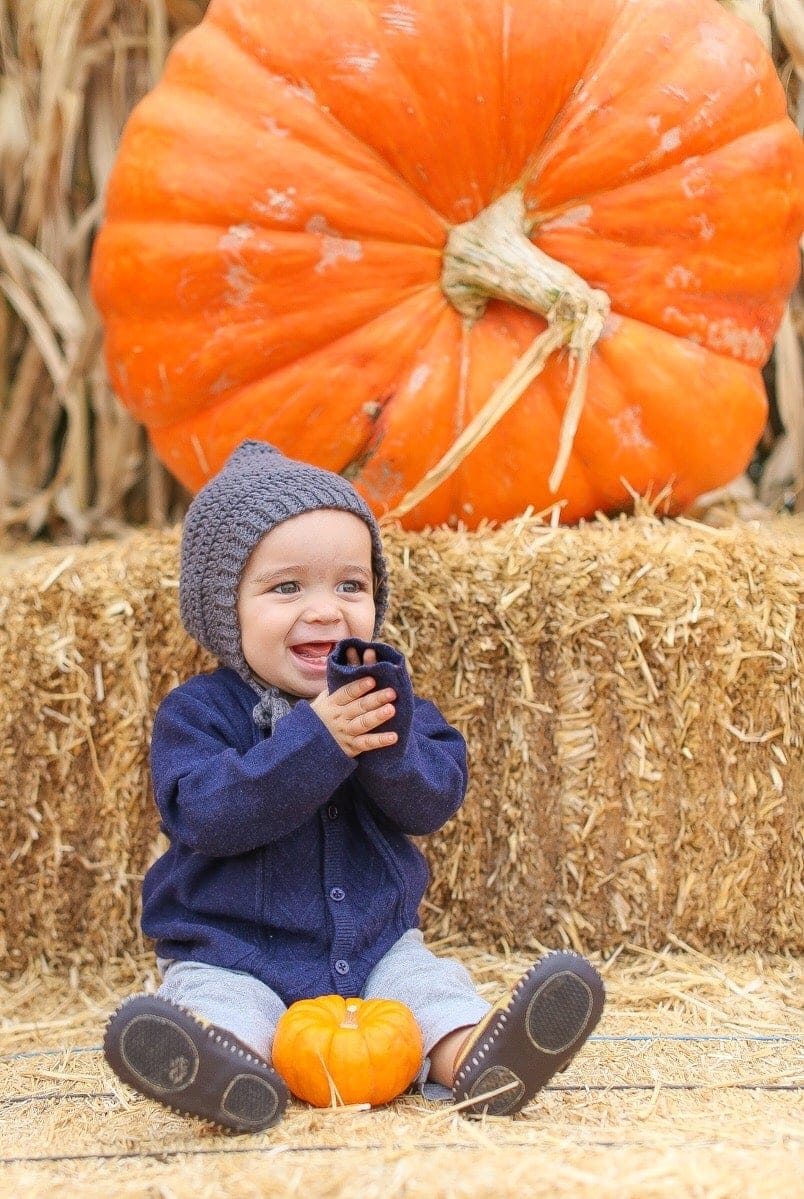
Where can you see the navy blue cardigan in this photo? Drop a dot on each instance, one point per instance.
(288, 859)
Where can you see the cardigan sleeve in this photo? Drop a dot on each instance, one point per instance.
(422, 789)
(221, 794)
(420, 782)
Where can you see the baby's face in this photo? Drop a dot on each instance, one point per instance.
(306, 585)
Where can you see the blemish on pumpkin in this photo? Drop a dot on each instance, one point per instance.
(418, 377)
(703, 226)
(271, 125)
(670, 89)
(373, 410)
(302, 90)
(239, 284)
(234, 237)
(672, 316)
(221, 384)
(680, 276)
(318, 224)
(627, 426)
(280, 204)
(723, 336)
(389, 480)
(711, 46)
(746, 344)
(363, 61)
(333, 249)
(400, 18)
(696, 183)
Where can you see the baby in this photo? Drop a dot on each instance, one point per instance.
(289, 782)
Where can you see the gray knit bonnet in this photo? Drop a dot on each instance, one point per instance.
(256, 489)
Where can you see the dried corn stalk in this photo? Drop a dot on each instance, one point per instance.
(71, 70)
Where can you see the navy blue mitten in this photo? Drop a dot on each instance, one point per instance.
(389, 670)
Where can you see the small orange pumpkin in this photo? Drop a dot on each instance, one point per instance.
(331, 1050)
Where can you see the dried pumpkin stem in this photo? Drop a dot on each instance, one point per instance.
(491, 257)
(350, 1017)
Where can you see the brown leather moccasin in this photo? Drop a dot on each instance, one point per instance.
(167, 1053)
(529, 1036)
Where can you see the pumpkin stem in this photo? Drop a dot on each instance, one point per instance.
(350, 1019)
(491, 256)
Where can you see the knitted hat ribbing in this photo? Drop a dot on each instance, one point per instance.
(257, 488)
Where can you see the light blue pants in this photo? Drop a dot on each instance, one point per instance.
(438, 991)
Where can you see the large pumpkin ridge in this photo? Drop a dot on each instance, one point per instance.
(704, 266)
(674, 80)
(624, 442)
(432, 92)
(323, 408)
(251, 313)
(266, 132)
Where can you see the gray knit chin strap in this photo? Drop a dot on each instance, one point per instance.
(272, 705)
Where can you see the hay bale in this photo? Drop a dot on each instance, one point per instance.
(630, 691)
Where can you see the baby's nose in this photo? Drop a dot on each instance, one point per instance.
(323, 610)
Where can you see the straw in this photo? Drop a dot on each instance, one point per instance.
(666, 1099)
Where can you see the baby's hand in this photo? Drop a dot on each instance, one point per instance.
(354, 710)
(353, 656)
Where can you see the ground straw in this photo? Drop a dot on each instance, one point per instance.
(689, 1087)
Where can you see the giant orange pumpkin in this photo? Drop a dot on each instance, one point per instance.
(475, 254)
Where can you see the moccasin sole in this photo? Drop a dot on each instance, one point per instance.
(166, 1053)
(530, 1036)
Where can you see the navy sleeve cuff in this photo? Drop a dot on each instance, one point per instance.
(389, 670)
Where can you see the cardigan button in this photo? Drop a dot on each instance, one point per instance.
(337, 894)
(341, 967)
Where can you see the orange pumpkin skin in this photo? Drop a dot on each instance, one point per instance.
(370, 1049)
(271, 255)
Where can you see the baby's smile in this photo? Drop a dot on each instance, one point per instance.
(313, 651)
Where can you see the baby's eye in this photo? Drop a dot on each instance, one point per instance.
(352, 586)
(288, 587)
